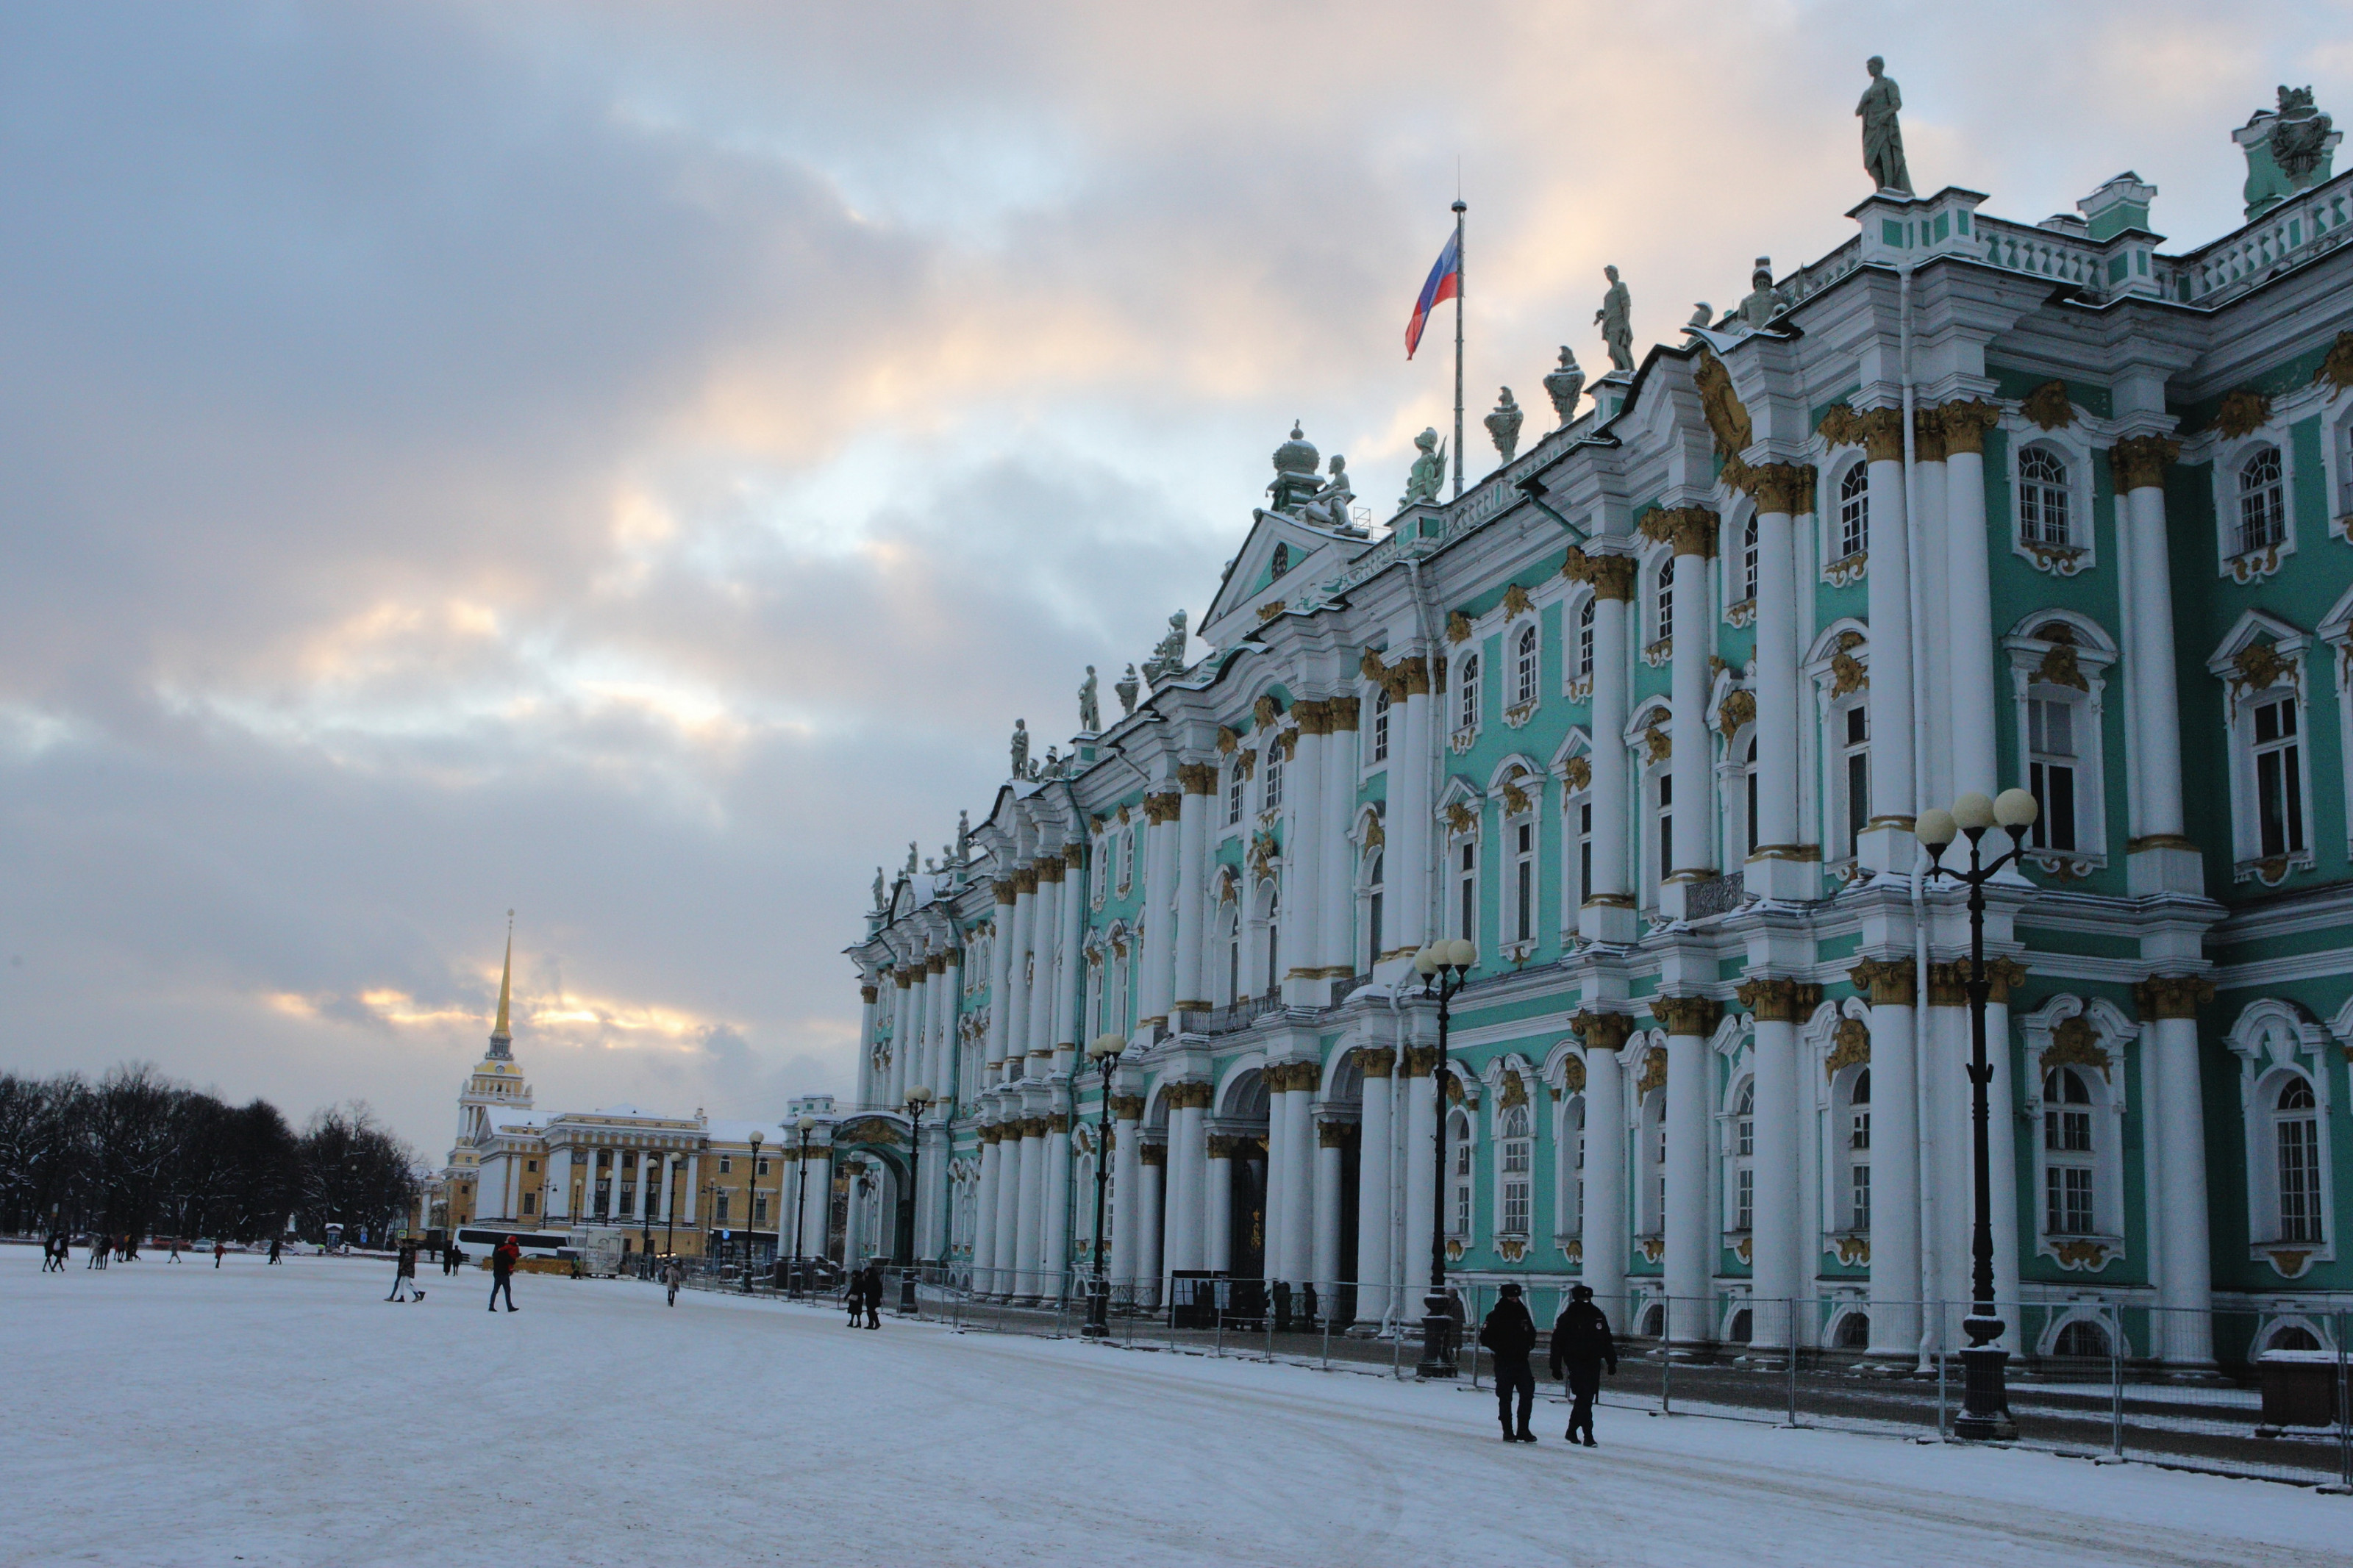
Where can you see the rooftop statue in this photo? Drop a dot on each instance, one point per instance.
(1168, 654)
(1429, 471)
(2288, 149)
(1127, 685)
(1053, 769)
(1294, 471)
(1882, 137)
(1503, 426)
(913, 856)
(1020, 749)
(1761, 302)
(964, 838)
(1616, 319)
(882, 898)
(1330, 507)
(1702, 316)
(1565, 385)
(1089, 704)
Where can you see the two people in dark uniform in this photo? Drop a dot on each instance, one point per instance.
(1581, 1346)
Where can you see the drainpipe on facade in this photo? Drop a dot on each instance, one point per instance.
(1924, 1138)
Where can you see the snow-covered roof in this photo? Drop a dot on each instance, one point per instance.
(740, 1132)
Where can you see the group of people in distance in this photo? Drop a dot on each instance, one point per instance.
(1581, 1346)
(56, 1251)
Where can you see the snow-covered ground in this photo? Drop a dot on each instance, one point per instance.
(177, 1415)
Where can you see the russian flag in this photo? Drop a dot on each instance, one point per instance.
(1445, 283)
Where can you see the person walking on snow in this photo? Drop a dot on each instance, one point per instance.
(220, 1250)
(873, 1292)
(853, 1294)
(1582, 1342)
(673, 1276)
(174, 1258)
(1510, 1334)
(503, 1263)
(274, 1250)
(404, 1273)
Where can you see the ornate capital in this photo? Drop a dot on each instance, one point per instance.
(1190, 1095)
(1612, 576)
(1059, 1122)
(1374, 1061)
(1024, 880)
(1420, 1060)
(868, 994)
(1152, 1155)
(1196, 778)
(1948, 982)
(2140, 461)
(1005, 891)
(1782, 486)
(1688, 530)
(1340, 715)
(1773, 1001)
(1161, 808)
(1332, 1135)
(1050, 866)
(992, 1134)
(2172, 995)
(1888, 983)
(1227, 1146)
(1601, 1031)
(937, 963)
(1963, 425)
(1927, 436)
(1879, 432)
(1074, 856)
(1315, 716)
(1128, 1107)
(1686, 1014)
(1413, 674)
(903, 978)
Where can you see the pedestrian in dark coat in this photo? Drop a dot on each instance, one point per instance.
(503, 1263)
(174, 1258)
(853, 1295)
(1509, 1334)
(275, 1246)
(874, 1294)
(404, 1273)
(1581, 1343)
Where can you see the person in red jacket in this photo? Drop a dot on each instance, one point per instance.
(502, 1264)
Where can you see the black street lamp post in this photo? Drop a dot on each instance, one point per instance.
(1985, 1401)
(751, 1198)
(1442, 966)
(805, 1126)
(918, 1099)
(1105, 1049)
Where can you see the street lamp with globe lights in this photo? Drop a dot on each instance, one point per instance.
(1104, 1050)
(805, 1126)
(751, 1197)
(1443, 965)
(919, 1100)
(1985, 1402)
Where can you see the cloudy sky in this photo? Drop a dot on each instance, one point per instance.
(631, 465)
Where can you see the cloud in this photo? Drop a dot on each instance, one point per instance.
(632, 465)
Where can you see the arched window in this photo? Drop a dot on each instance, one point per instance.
(1666, 607)
(1128, 860)
(1381, 725)
(2295, 1136)
(2262, 502)
(1234, 794)
(1578, 814)
(1585, 641)
(1858, 1152)
(1098, 873)
(1651, 1161)
(2043, 501)
(1744, 1158)
(1271, 797)
(1514, 1165)
(1854, 511)
(1458, 1207)
(1570, 1219)
(1374, 900)
(1467, 699)
(1523, 880)
(1749, 572)
(2082, 1338)
(1524, 678)
(2068, 1155)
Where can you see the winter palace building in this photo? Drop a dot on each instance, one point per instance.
(1647, 713)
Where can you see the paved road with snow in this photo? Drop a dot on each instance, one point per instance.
(177, 1415)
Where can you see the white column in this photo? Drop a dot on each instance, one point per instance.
(910, 1064)
(1152, 1161)
(903, 1036)
(1421, 1178)
(1887, 844)
(1779, 870)
(1375, 1271)
(1893, 987)
(1608, 912)
(1302, 881)
(1967, 593)
(984, 1225)
(1006, 1282)
(1187, 1155)
(2160, 858)
(1126, 1186)
(950, 1048)
(1000, 971)
(1028, 1245)
(1054, 1224)
(693, 1176)
(1776, 1267)
(1338, 858)
(1016, 1001)
(1331, 1173)
(559, 1202)
(1690, 531)
(1046, 943)
(1218, 1204)
(1275, 1253)
(1691, 1087)
(1299, 1176)
(2185, 1281)
(867, 994)
(1406, 866)
(1070, 983)
(1185, 842)
(1605, 1228)
(2002, 1146)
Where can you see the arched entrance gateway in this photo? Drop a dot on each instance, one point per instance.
(878, 1210)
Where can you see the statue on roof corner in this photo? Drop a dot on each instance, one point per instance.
(914, 857)
(1127, 685)
(1883, 136)
(964, 838)
(882, 898)
(1330, 505)
(1429, 471)
(1168, 654)
(1089, 704)
(1503, 426)
(1761, 302)
(1020, 749)
(1565, 385)
(1616, 320)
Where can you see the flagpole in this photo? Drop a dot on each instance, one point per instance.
(1459, 210)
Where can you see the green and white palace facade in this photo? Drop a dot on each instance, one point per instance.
(1647, 714)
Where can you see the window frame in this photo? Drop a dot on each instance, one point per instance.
(1508, 1144)
(2230, 458)
(2038, 664)
(2252, 684)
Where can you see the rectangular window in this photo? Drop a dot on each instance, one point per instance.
(719, 1208)
(2067, 1200)
(530, 1202)
(1857, 773)
(1584, 851)
(2050, 771)
(1233, 795)
(1858, 1130)
(629, 1200)
(1373, 926)
(725, 1165)
(1381, 728)
(2067, 1131)
(1744, 1208)
(1666, 823)
(2279, 779)
(1859, 1198)
(1469, 913)
(1516, 1207)
(759, 1210)
(2299, 1173)
(1524, 890)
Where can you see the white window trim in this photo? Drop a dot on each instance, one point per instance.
(2272, 1038)
(2240, 701)
(2095, 653)
(2073, 446)
(1567, 1197)
(1461, 737)
(1731, 1161)
(2336, 634)
(1658, 645)
(1739, 605)
(1496, 1228)
(1462, 1149)
(2337, 461)
(2227, 456)
(1368, 766)
(1575, 684)
(2112, 1032)
(1518, 714)
(1840, 571)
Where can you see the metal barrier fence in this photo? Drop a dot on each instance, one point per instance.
(2266, 1394)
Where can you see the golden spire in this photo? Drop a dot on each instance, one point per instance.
(500, 1035)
